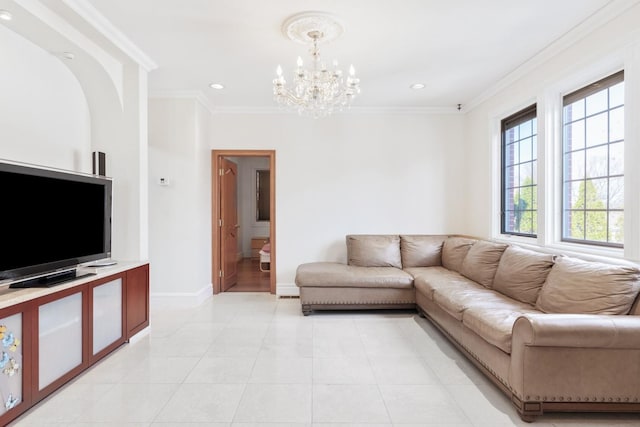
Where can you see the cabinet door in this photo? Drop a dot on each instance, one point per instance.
(59, 338)
(10, 362)
(107, 314)
(137, 289)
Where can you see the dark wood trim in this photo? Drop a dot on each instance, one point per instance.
(136, 286)
(216, 156)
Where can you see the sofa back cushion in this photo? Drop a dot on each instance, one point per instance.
(521, 273)
(454, 249)
(482, 261)
(577, 286)
(421, 250)
(374, 250)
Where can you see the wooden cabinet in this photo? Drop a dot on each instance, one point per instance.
(256, 244)
(137, 297)
(60, 332)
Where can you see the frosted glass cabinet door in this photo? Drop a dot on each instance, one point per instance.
(107, 314)
(59, 338)
(10, 362)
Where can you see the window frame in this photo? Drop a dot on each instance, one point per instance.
(581, 94)
(522, 116)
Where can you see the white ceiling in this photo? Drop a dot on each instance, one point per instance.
(458, 48)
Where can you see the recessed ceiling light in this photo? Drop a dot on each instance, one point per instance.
(216, 86)
(5, 15)
(417, 86)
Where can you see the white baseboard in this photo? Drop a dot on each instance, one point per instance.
(180, 299)
(287, 290)
(137, 337)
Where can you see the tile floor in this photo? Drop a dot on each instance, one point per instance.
(251, 359)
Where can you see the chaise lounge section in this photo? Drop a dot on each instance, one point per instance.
(554, 333)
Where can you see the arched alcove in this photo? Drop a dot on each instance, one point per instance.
(114, 87)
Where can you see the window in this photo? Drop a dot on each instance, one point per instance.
(519, 174)
(593, 163)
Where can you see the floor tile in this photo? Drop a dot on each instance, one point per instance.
(128, 403)
(202, 403)
(348, 404)
(275, 403)
(486, 405)
(342, 370)
(402, 370)
(157, 370)
(277, 370)
(424, 404)
(222, 370)
(66, 406)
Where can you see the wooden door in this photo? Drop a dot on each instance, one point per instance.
(228, 223)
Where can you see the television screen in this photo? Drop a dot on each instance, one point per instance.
(51, 219)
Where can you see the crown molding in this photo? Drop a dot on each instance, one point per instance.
(600, 17)
(196, 95)
(113, 34)
(350, 111)
(206, 102)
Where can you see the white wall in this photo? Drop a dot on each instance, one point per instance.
(596, 54)
(249, 227)
(353, 173)
(179, 214)
(44, 117)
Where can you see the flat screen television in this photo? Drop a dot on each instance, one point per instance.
(50, 222)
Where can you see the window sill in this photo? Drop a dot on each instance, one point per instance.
(593, 253)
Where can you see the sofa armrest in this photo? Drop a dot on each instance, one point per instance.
(577, 330)
(575, 358)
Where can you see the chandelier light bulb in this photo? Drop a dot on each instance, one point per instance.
(335, 63)
(352, 71)
(279, 71)
(299, 62)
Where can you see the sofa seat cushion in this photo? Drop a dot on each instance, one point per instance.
(428, 279)
(456, 300)
(335, 275)
(494, 323)
(587, 287)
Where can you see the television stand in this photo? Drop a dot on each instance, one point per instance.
(50, 280)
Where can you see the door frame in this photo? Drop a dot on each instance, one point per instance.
(216, 156)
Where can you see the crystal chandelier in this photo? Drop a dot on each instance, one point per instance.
(317, 91)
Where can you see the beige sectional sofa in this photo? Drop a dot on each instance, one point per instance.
(554, 333)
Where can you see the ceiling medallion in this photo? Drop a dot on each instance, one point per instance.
(317, 91)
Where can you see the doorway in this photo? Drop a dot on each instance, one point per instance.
(243, 224)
